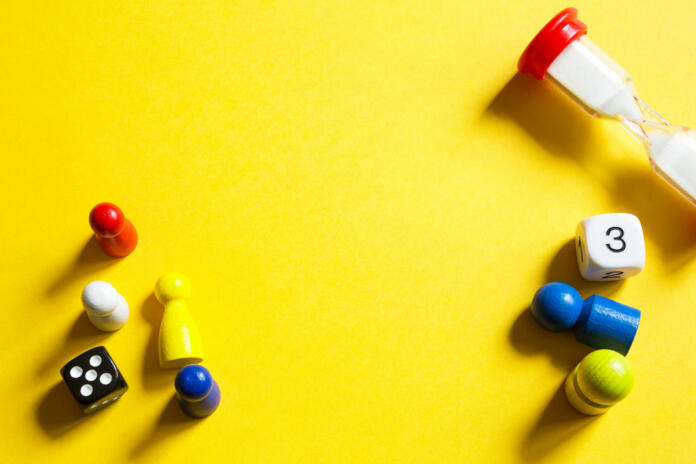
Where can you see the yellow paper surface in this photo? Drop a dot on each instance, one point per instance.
(365, 200)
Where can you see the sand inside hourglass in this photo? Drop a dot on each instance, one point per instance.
(672, 150)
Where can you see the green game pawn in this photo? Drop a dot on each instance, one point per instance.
(602, 379)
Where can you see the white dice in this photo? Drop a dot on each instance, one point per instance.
(610, 246)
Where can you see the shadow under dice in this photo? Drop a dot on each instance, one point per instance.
(610, 246)
(93, 379)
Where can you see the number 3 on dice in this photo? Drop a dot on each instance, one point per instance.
(610, 246)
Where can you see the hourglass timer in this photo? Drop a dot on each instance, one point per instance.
(562, 53)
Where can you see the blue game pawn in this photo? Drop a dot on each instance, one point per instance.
(599, 322)
(556, 306)
(604, 323)
(198, 393)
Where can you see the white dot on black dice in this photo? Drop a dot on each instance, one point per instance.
(93, 379)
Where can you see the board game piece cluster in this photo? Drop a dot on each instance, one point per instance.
(92, 377)
(608, 247)
(180, 346)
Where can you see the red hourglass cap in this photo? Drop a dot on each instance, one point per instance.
(551, 40)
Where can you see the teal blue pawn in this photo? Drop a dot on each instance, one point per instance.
(556, 306)
(198, 393)
(597, 321)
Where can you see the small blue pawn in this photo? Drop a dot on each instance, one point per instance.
(198, 393)
(598, 322)
(556, 306)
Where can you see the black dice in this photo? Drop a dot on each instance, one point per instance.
(93, 379)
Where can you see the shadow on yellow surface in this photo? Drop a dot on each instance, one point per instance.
(559, 423)
(81, 336)
(154, 377)
(171, 421)
(668, 219)
(563, 129)
(90, 260)
(57, 412)
(544, 113)
(564, 268)
(527, 337)
(555, 426)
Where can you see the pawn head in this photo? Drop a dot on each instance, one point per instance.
(107, 220)
(172, 286)
(101, 297)
(193, 382)
(605, 377)
(556, 306)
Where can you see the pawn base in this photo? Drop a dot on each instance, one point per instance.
(204, 407)
(121, 245)
(578, 400)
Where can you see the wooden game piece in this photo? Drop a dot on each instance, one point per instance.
(197, 391)
(179, 340)
(115, 233)
(105, 308)
(602, 379)
(598, 322)
(556, 306)
(610, 246)
(605, 323)
(93, 379)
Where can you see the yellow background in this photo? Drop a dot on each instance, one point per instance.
(365, 200)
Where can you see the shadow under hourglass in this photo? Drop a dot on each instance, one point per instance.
(564, 129)
(668, 218)
(544, 113)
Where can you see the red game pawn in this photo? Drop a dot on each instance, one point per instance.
(116, 235)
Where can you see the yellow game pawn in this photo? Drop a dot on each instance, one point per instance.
(179, 340)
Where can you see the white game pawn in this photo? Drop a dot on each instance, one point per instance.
(105, 307)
